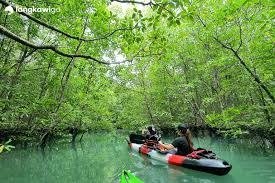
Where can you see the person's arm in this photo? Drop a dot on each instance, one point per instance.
(166, 146)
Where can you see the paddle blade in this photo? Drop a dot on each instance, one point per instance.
(128, 177)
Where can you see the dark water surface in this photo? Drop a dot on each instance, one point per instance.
(100, 158)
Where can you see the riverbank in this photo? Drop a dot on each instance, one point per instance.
(261, 136)
(44, 136)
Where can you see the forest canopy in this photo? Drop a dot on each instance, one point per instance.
(125, 64)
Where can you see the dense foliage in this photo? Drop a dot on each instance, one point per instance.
(125, 64)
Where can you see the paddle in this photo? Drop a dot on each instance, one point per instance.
(128, 177)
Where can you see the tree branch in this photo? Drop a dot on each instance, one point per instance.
(254, 76)
(150, 3)
(224, 45)
(22, 41)
(240, 35)
(35, 69)
(40, 22)
(202, 22)
(110, 34)
(134, 2)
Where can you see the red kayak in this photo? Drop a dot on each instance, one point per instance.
(201, 160)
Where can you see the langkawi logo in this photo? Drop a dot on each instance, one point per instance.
(31, 10)
(9, 9)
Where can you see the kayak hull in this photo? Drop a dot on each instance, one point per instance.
(214, 166)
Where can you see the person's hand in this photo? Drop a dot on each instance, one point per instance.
(161, 148)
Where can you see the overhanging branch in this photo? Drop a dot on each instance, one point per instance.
(22, 41)
(254, 76)
(40, 22)
(134, 2)
(240, 35)
(150, 3)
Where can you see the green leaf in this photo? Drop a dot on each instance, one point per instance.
(8, 142)
(164, 15)
(170, 18)
(9, 146)
(138, 39)
(1, 148)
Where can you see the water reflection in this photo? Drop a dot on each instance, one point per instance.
(100, 158)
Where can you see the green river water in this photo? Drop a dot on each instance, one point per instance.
(100, 158)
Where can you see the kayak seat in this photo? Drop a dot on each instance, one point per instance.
(202, 153)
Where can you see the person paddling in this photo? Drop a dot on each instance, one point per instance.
(183, 143)
(151, 137)
(151, 134)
